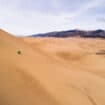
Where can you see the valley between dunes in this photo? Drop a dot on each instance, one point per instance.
(51, 71)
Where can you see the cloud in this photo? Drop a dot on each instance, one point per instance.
(101, 19)
(45, 6)
(29, 23)
(36, 16)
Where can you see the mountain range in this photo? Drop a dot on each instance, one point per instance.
(73, 33)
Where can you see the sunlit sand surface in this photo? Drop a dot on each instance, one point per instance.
(51, 71)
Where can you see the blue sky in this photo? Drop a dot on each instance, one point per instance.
(26, 17)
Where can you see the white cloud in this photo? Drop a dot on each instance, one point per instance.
(29, 17)
(28, 23)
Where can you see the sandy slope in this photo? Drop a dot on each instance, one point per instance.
(51, 71)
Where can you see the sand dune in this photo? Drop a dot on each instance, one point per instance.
(51, 71)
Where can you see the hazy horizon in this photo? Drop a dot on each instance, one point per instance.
(26, 17)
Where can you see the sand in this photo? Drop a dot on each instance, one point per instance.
(51, 71)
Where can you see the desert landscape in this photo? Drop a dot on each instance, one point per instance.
(51, 71)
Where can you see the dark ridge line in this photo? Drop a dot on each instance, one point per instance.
(73, 33)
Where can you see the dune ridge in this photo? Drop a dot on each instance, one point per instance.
(51, 71)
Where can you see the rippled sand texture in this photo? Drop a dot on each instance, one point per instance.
(51, 71)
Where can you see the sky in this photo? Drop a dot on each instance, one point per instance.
(27, 17)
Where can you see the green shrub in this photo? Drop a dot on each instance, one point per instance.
(19, 52)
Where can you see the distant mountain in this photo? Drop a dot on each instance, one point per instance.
(74, 33)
